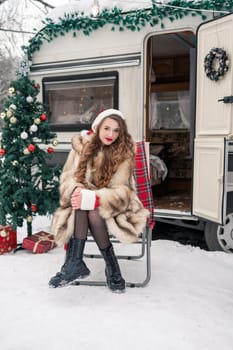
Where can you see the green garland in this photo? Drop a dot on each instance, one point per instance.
(133, 20)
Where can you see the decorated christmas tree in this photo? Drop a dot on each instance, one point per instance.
(28, 185)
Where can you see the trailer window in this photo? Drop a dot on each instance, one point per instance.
(170, 110)
(74, 102)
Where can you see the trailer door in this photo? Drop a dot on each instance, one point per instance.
(213, 121)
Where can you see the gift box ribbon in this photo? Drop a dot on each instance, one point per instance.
(42, 238)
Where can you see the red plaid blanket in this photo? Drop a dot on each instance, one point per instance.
(143, 182)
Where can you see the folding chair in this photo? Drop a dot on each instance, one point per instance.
(142, 181)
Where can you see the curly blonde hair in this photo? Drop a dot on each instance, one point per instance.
(113, 155)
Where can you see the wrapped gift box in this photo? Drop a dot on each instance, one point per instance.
(40, 242)
(8, 239)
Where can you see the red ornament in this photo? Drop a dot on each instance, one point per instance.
(50, 150)
(33, 207)
(31, 147)
(36, 86)
(2, 152)
(43, 117)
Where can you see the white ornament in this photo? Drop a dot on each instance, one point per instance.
(29, 99)
(33, 128)
(12, 106)
(24, 66)
(24, 135)
(3, 114)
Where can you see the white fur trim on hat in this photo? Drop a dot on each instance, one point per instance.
(102, 115)
(88, 200)
(84, 133)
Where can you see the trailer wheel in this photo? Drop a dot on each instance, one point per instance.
(220, 237)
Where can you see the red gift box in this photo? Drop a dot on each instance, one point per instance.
(40, 242)
(8, 239)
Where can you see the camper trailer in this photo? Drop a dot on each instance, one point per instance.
(156, 76)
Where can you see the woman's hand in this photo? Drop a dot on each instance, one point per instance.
(76, 198)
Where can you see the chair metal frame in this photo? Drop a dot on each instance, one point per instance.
(145, 242)
(145, 252)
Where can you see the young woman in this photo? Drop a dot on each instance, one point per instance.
(97, 192)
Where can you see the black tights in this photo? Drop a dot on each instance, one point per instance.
(91, 219)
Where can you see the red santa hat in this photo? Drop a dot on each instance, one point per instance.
(104, 114)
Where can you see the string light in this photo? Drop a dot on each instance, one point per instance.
(171, 6)
(187, 8)
(95, 8)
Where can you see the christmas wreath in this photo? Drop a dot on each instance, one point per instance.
(209, 62)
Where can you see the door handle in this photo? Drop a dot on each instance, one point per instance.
(226, 99)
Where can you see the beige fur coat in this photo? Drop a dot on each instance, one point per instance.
(120, 206)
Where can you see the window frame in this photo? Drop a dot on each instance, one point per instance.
(79, 78)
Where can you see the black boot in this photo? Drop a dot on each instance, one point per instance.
(114, 279)
(74, 266)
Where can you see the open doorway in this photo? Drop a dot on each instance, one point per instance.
(170, 119)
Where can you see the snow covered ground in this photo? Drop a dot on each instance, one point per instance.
(188, 305)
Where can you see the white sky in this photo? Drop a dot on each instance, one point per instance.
(62, 2)
(59, 2)
(124, 4)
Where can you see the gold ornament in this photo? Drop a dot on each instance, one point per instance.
(11, 90)
(3, 233)
(26, 151)
(37, 121)
(55, 142)
(13, 120)
(29, 218)
(9, 113)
